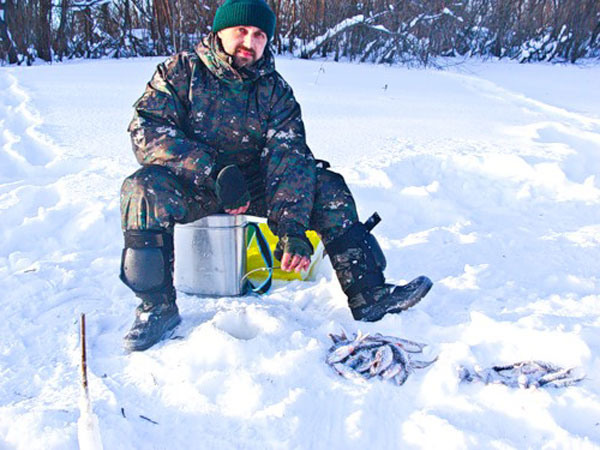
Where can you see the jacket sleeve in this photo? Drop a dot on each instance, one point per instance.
(159, 129)
(288, 164)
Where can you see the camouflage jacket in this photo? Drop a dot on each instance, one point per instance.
(199, 114)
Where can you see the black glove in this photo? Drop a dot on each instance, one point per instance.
(294, 245)
(231, 188)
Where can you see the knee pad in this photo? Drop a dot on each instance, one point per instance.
(146, 262)
(359, 236)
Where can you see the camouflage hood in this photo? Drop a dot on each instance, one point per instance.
(213, 56)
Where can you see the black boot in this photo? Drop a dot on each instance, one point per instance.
(359, 264)
(146, 268)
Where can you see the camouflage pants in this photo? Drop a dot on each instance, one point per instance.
(153, 198)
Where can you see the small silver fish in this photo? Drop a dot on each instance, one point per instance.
(558, 376)
(393, 370)
(345, 371)
(523, 374)
(342, 352)
(339, 337)
(384, 356)
(405, 344)
(401, 357)
(401, 378)
(416, 364)
(563, 383)
(369, 359)
(358, 358)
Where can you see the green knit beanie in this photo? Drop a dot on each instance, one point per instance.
(256, 13)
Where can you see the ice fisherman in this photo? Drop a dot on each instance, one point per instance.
(218, 130)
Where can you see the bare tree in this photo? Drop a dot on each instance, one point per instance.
(43, 33)
(60, 41)
(7, 45)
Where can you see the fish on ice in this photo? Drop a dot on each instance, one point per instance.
(377, 356)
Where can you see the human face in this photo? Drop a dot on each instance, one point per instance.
(246, 44)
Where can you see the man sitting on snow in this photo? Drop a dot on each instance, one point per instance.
(219, 129)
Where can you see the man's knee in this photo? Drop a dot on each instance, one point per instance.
(334, 209)
(332, 193)
(149, 199)
(147, 179)
(330, 181)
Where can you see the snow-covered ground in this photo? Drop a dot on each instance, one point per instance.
(487, 176)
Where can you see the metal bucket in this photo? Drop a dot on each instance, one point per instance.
(210, 255)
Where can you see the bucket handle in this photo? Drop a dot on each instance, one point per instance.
(267, 257)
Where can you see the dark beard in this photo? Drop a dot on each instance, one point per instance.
(246, 61)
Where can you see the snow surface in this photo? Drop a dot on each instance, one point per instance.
(487, 179)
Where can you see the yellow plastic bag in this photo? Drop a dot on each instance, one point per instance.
(254, 260)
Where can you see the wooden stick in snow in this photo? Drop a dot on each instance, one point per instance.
(88, 428)
(84, 379)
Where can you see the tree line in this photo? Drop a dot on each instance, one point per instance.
(381, 31)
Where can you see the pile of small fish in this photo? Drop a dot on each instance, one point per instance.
(363, 356)
(524, 374)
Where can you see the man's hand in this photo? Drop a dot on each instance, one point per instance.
(294, 253)
(240, 210)
(296, 263)
(231, 190)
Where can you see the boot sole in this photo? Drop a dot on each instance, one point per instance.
(422, 287)
(130, 346)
